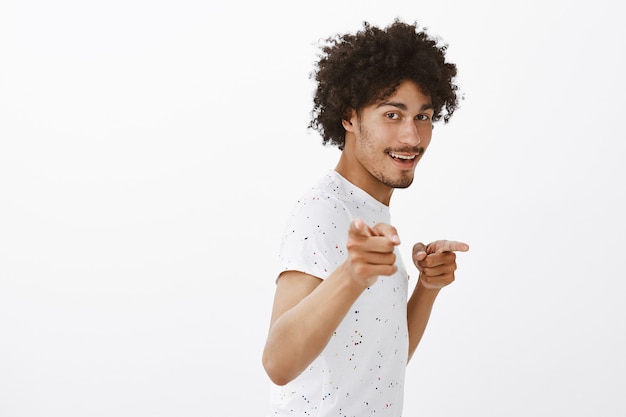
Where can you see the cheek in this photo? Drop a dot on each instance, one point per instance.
(425, 134)
(381, 136)
(367, 139)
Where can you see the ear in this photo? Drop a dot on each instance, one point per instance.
(348, 122)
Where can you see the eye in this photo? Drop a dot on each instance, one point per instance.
(392, 115)
(423, 117)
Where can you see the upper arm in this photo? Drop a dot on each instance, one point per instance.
(291, 288)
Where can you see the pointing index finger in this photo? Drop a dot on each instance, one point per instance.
(440, 246)
(388, 231)
(359, 228)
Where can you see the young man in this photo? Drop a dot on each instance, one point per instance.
(343, 327)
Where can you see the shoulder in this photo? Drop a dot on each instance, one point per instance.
(325, 200)
(318, 214)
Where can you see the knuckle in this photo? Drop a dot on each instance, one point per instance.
(357, 258)
(352, 244)
(388, 270)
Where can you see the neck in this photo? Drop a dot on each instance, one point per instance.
(359, 176)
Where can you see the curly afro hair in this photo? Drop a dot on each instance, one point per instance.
(354, 71)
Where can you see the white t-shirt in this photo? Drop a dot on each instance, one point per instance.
(361, 371)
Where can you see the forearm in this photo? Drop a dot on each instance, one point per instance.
(419, 308)
(300, 334)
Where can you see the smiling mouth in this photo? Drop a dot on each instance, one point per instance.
(403, 157)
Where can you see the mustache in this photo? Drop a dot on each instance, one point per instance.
(419, 150)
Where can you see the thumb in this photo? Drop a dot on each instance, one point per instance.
(359, 228)
(419, 252)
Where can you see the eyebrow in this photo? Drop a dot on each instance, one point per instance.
(402, 106)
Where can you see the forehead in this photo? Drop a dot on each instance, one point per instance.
(407, 96)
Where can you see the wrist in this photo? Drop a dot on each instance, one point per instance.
(345, 282)
(426, 288)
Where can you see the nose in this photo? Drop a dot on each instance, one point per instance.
(410, 134)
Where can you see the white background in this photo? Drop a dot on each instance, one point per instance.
(150, 151)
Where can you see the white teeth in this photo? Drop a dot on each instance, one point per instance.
(406, 157)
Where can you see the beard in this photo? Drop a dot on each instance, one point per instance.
(405, 179)
(403, 182)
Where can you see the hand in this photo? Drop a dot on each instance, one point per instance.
(437, 262)
(370, 252)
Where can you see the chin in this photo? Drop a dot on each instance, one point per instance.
(404, 182)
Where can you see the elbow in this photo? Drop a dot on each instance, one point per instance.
(279, 379)
(274, 368)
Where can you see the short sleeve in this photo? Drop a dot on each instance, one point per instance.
(315, 237)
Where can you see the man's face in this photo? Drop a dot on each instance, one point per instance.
(387, 139)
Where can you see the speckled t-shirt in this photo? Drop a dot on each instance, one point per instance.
(361, 371)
